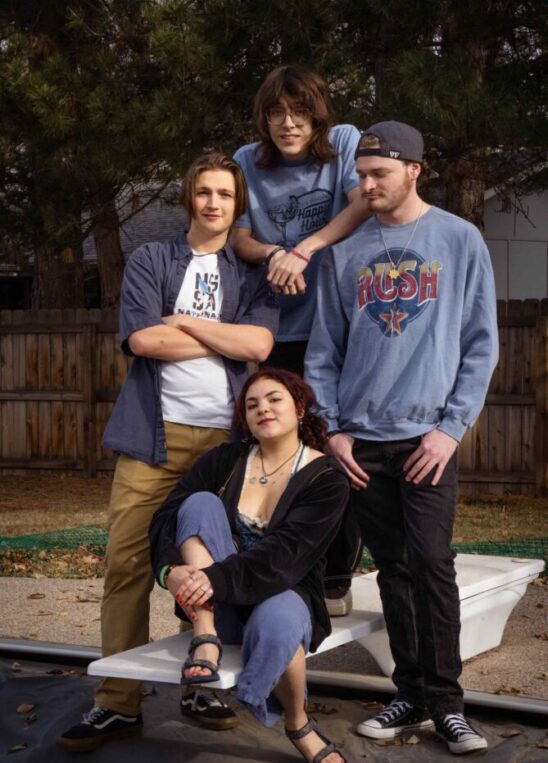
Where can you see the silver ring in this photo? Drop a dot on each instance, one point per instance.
(203, 589)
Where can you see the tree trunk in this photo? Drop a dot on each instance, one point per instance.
(465, 183)
(58, 281)
(110, 258)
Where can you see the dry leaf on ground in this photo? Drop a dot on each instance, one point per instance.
(413, 740)
(24, 708)
(319, 707)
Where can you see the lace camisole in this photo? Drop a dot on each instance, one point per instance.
(251, 529)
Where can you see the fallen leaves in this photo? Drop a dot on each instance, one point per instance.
(36, 596)
(412, 740)
(372, 705)
(51, 563)
(92, 598)
(319, 707)
(510, 733)
(25, 708)
(65, 672)
(399, 742)
(18, 747)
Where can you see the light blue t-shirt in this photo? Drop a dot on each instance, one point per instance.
(290, 202)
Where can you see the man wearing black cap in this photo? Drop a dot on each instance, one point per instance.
(403, 346)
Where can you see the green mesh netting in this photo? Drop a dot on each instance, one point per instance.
(94, 538)
(519, 548)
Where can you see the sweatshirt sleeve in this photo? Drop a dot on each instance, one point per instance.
(327, 344)
(478, 342)
(288, 551)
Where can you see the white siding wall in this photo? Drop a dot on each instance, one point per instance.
(518, 242)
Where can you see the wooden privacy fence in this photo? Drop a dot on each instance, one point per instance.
(60, 372)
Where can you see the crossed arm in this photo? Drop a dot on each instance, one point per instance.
(183, 337)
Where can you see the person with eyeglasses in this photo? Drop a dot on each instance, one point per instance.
(303, 196)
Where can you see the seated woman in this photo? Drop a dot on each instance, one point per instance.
(240, 542)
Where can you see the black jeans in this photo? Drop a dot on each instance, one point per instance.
(408, 530)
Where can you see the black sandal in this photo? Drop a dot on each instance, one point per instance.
(190, 662)
(308, 727)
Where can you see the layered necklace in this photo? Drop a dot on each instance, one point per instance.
(263, 479)
(394, 270)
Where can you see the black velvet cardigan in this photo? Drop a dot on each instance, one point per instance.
(291, 555)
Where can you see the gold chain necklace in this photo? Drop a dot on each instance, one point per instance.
(394, 271)
(264, 479)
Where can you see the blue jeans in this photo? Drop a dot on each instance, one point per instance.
(276, 627)
(408, 530)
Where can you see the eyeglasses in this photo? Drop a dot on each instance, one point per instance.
(300, 115)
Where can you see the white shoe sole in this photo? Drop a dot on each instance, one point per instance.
(375, 733)
(461, 748)
(339, 607)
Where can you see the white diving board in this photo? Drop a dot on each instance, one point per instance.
(162, 660)
(489, 588)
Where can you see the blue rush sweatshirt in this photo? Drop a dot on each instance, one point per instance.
(393, 358)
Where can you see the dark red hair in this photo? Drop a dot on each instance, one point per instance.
(313, 427)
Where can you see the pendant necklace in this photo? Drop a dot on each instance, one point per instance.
(264, 478)
(394, 272)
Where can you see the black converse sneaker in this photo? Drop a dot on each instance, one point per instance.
(458, 733)
(98, 726)
(396, 719)
(209, 710)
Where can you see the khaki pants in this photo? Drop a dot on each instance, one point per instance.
(137, 491)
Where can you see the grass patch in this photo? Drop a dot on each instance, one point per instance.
(38, 503)
(499, 518)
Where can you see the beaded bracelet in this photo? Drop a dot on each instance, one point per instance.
(296, 253)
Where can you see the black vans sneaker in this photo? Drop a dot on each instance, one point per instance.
(98, 726)
(396, 719)
(458, 733)
(209, 710)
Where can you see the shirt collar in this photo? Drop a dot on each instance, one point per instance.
(184, 251)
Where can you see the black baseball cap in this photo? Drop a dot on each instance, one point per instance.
(397, 141)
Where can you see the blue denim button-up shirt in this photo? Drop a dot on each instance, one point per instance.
(152, 281)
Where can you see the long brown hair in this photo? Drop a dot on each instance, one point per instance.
(306, 87)
(312, 427)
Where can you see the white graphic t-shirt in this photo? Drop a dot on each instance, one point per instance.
(197, 391)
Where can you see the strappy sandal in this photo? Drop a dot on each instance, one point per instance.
(191, 662)
(308, 727)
